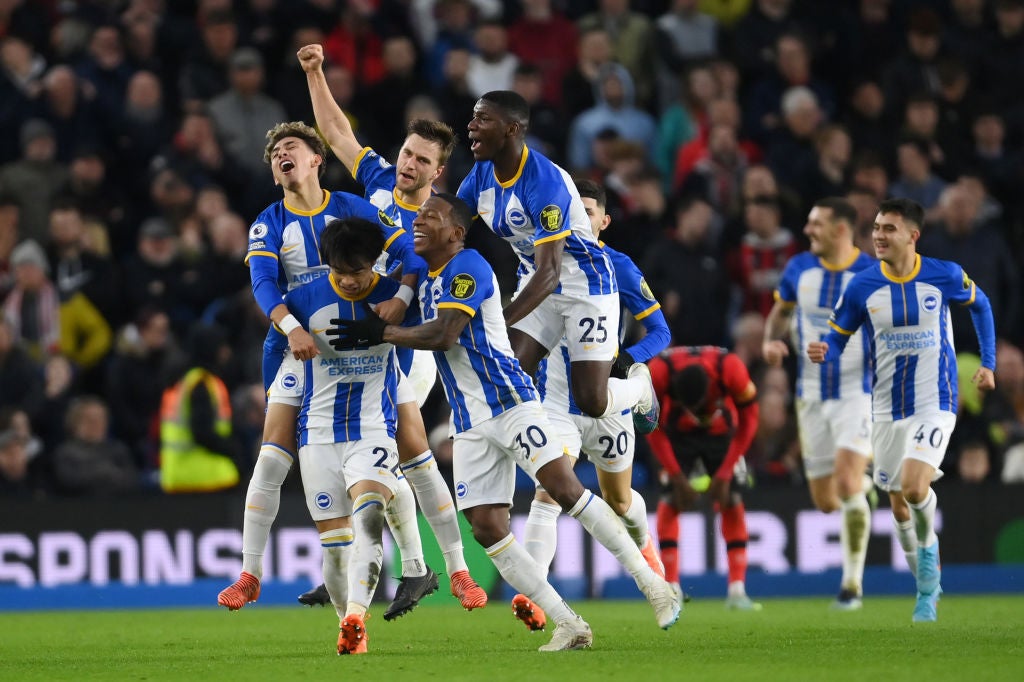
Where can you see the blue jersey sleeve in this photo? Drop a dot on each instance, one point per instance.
(359, 207)
(373, 172)
(548, 201)
(263, 258)
(400, 249)
(468, 281)
(845, 319)
(958, 287)
(788, 282)
(639, 300)
(468, 190)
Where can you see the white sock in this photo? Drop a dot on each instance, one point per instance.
(336, 546)
(623, 394)
(923, 515)
(853, 535)
(907, 538)
(524, 575)
(540, 535)
(262, 500)
(635, 520)
(737, 588)
(602, 523)
(367, 551)
(401, 516)
(436, 503)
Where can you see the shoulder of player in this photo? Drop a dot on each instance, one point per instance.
(935, 269)
(805, 260)
(384, 289)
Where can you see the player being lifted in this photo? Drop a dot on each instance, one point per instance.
(608, 442)
(398, 191)
(903, 304)
(566, 282)
(497, 419)
(284, 253)
(833, 406)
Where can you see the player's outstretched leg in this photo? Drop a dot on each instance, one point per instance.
(418, 580)
(734, 532)
(409, 593)
(243, 591)
(317, 596)
(531, 615)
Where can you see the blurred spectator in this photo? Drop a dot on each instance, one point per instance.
(1004, 411)
(288, 81)
(33, 306)
(921, 119)
(89, 461)
(756, 34)
(1003, 59)
(456, 99)
(152, 276)
(36, 178)
(683, 36)
(104, 204)
(9, 218)
(717, 177)
(685, 271)
(645, 220)
(866, 204)
(492, 66)
(578, 86)
(915, 179)
(543, 37)
(391, 93)
(143, 129)
(866, 119)
(775, 452)
(721, 111)
(1000, 166)
(204, 74)
(22, 474)
(791, 149)
(454, 32)
(827, 177)
(355, 44)
(197, 451)
(20, 375)
(915, 70)
(105, 70)
(616, 110)
(685, 117)
(632, 38)
(967, 32)
(228, 236)
(755, 267)
(546, 131)
(73, 116)
(869, 174)
(21, 73)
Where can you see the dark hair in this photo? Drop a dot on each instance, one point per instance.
(689, 386)
(510, 103)
(589, 189)
(909, 209)
(917, 142)
(434, 131)
(462, 214)
(302, 131)
(840, 207)
(355, 242)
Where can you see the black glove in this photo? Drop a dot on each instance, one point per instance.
(349, 334)
(622, 364)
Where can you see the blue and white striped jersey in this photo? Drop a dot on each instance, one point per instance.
(481, 377)
(553, 375)
(348, 394)
(540, 204)
(377, 177)
(906, 321)
(814, 287)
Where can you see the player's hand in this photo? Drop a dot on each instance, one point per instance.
(623, 361)
(311, 57)
(349, 334)
(719, 490)
(684, 497)
(302, 345)
(984, 379)
(816, 351)
(773, 351)
(392, 311)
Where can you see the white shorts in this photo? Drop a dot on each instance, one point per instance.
(289, 382)
(922, 437)
(329, 470)
(422, 375)
(590, 325)
(827, 426)
(485, 456)
(608, 443)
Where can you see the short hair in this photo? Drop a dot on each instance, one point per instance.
(437, 132)
(300, 130)
(355, 242)
(840, 207)
(590, 189)
(510, 103)
(908, 209)
(462, 214)
(917, 142)
(689, 386)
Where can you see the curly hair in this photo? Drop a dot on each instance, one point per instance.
(300, 130)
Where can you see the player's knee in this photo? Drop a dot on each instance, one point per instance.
(591, 401)
(915, 493)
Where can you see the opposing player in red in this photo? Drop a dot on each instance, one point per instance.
(709, 416)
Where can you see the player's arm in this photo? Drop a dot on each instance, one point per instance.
(547, 257)
(439, 334)
(744, 395)
(776, 330)
(980, 308)
(639, 300)
(846, 319)
(263, 276)
(400, 247)
(331, 120)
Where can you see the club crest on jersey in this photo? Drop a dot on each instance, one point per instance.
(259, 231)
(551, 218)
(967, 282)
(516, 218)
(930, 303)
(645, 290)
(461, 490)
(289, 381)
(323, 501)
(385, 218)
(463, 286)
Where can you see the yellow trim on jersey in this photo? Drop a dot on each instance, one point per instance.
(974, 293)
(839, 329)
(457, 306)
(393, 237)
(902, 280)
(647, 312)
(777, 295)
(519, 171)
(554, 238)
(260, 253)
(359, 158)
(343, 295)
(321, 207)
(841, 266)
(402, 204)
(435, 273)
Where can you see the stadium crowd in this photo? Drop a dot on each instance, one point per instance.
(131, 165)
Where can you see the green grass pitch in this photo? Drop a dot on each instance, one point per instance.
(975, 639)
